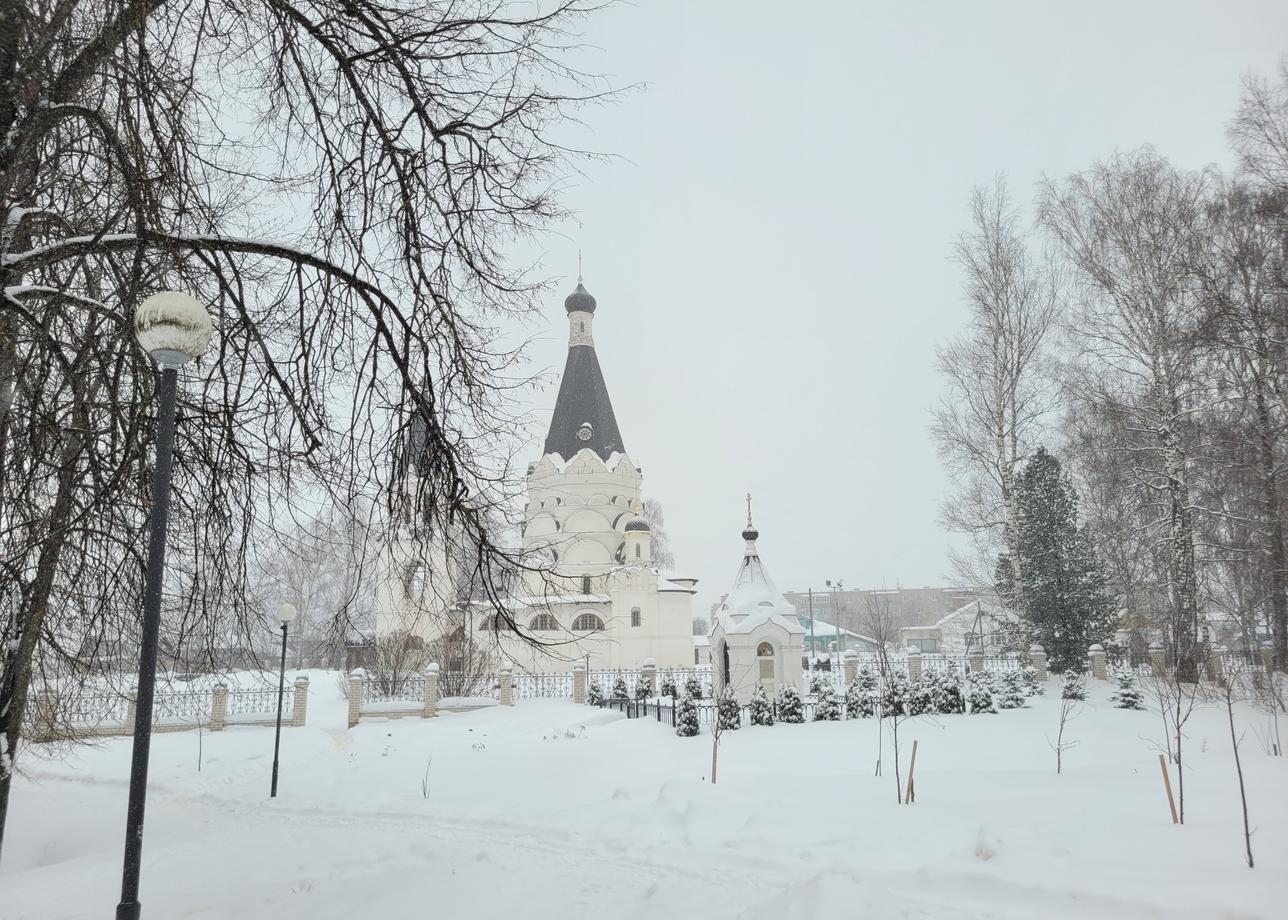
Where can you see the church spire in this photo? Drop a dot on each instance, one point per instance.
(750, 533)
(583, 416)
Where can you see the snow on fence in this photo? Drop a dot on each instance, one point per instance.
(67, 715)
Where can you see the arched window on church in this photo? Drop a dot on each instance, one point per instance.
(637, 618)
(637, 551)
(543, 622)
(587, 622)
(414, 581)
(765, 655)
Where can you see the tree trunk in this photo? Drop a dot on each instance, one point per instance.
(1274, 518)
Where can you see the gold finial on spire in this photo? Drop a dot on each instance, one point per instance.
(579, 266)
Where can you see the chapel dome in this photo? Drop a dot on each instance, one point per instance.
(580, 300)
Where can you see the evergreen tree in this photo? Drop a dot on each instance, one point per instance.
(641, 690)
(827, 708)
(693, 688)
(1066, 606)
(1029, 680)
(1008, 690)
(922, 693)
(816, 684)
(686, 717)
(894, 694)
(950, 700)
(728, 711)
(668, 687)
(762, 712)
(1072, 688)
(979, 693)
(860, 701)
(620, 693)
(594, 696)
(790, 707)
(1128, 695)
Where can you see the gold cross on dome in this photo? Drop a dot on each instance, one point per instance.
(748, 510)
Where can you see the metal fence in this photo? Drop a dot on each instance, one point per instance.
(259, 701)
(409, 689)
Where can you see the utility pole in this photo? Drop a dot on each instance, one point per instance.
(812, 646)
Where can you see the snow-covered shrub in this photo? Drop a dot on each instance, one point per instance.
(861, 695)
(595, 696)
(979, 693)
(1072, 688)
(641, 690)
(762, 712)
(816, 684)
(1128, 695)
(668, 687)
(1029, 680)
(620, 693)
(686, 717)
(693, 688)
(894, 694)
(790, 707)
(1008, 690)
(827, 708)
(950, 700)
(728, 711)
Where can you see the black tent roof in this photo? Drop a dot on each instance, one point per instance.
(583, 415)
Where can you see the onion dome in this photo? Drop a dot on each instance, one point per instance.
(637, 525)
(579, 300)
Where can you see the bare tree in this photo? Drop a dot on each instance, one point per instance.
(1131, 228)
(997, 394)
(663, 557)
(337, 179)
(1230, 688)
(467, 662)
(1176, 696)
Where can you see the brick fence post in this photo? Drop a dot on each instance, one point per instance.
(131, 711)
(648, 674)
(356, 677)
(1098, 662)
(914, 663)
(45, 706)
(1038, 661)
(218, 707)
(851, 664)
(1268, 657)
(431, 691)
(579, 684)
(976, 660)
(1157, 660)
(507, 687)
(1216, 662)
(300, 706)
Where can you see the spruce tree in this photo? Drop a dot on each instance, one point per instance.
(668, 687)
(1066, 606)
(620, 693)
(1072, 688)
(762, 712)
(595, 696)
(1128, 695)
(641, 690)
(1008, 690)
(979, 693)
(729, 711)
(790, 707)
(686, 717)
(826, 706)
(693, 688)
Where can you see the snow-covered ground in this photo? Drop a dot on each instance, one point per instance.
(552, 810)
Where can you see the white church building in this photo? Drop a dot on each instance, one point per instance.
(596, 596)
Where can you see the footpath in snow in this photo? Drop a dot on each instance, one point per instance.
(550, 810)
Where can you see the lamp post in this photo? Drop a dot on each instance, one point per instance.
(174, 329)
(285, 614)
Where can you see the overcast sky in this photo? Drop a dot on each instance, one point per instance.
(772, 254)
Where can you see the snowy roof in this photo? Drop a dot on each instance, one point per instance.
(754, 600)
(821, 628)
(974, 608)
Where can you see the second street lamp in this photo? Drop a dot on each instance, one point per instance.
(285, 614)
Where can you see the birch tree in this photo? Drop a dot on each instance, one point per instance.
(997, 394)
(1130, 229)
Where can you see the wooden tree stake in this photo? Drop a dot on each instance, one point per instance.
(911, 795)
(1167, 784)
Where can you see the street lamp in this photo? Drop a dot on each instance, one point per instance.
(285, 614)
(174, 329)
